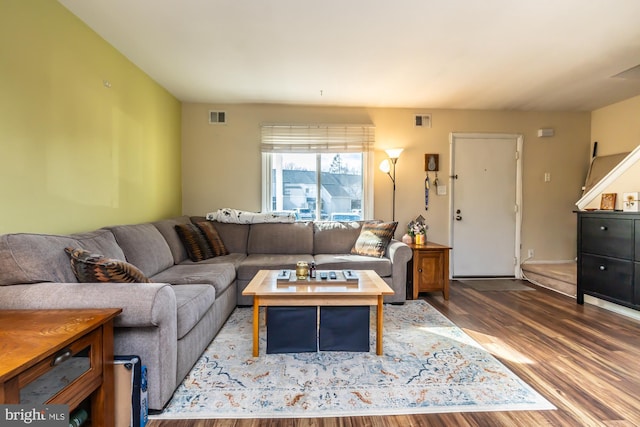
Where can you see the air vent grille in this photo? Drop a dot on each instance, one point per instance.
(217, 117)
(422, 120)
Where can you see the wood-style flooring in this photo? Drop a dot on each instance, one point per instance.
(583, 359)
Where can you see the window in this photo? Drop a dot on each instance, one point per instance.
(318, 172)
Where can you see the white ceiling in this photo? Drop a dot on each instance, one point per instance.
(464, 54)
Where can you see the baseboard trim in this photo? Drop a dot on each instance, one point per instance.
(568, 261)
(619, 309)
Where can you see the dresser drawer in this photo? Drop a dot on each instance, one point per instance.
(607, 276)
(637, 239)
(636, 286)
(79, 363)
(607, 236)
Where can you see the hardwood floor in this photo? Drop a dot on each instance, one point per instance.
(583, 359)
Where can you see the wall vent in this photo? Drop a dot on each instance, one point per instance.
(422, 120)
(217, 117)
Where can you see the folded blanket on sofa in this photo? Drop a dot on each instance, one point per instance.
(243, 217)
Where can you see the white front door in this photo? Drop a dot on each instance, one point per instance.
(484, 201)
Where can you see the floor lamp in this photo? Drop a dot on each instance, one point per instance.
(388, 166)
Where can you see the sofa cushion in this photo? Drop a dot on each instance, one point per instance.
(234, 259)
(296, 238)
(89, 267)
(234, 236)
(167, 229)
(193, 302)
(100, 241)
(194, 242)
(35, 258)
(144, 247)
(382, 266)
(213, 238)
(334, 237)
(256, 262)
(218, 275)
(374, 239)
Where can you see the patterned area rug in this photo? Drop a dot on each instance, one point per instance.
(429, 365)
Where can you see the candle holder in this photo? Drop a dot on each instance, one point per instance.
(302, 270)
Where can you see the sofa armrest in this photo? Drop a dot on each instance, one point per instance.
(399, 253)
(143, 304)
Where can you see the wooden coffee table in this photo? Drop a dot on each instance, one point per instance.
(369, 289)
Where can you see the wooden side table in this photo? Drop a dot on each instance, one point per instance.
(429, 271)
(36, 345)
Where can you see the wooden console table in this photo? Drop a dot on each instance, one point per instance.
(36, 344)
(428, 269)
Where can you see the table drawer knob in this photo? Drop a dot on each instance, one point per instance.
(61, 357)
(603, 227)
(603, 268)
(419, 270)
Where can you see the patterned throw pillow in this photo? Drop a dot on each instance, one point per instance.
(374, 239)
(89, 267)
(213, 238)
(194, 242)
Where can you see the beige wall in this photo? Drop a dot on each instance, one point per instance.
(617, 129)
(222, 163)
(76, 155)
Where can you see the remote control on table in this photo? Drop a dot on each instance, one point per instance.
(323, 276)
(284, 275)
(332, 275)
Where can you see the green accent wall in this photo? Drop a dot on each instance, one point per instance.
(76, 155)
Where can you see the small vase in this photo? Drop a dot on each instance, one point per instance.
(420, 239)
(407, 239)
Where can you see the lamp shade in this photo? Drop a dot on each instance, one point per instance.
(385, 166)
(394, 153)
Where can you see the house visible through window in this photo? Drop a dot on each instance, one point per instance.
(317, 172)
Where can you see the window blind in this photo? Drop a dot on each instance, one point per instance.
(317, 138)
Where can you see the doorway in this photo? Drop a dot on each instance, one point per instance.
(485, 204)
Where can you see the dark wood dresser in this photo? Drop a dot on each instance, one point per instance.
(609, 257)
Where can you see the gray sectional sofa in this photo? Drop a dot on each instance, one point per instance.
(170, 322)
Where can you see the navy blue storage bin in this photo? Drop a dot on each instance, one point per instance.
(344, 328)
(292, 329)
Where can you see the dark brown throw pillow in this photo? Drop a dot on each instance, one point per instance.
(194, 242)
(89, 267)
(212, 236)
(374, 239)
